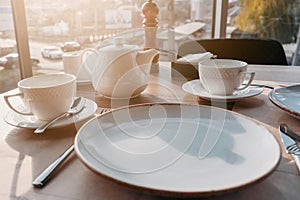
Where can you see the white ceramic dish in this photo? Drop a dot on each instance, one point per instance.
(195, 87)
(173, 149)
(287, 98)
(27, 121)
(83, 82)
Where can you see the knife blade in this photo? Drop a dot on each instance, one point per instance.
(288, 143)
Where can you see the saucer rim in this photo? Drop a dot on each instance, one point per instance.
(89, 103)
(254, 91)
(83, 81)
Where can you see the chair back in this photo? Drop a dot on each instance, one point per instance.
(252, 51)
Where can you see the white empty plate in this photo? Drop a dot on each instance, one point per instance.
(174, 149)
(287, 98)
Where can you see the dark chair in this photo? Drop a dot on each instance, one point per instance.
(252, 51)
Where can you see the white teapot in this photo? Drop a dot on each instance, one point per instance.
(121, 70)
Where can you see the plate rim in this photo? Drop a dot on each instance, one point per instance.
(174, 193)
(222, 98)
(283, 107)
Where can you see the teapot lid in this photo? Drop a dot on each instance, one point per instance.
(118, 48)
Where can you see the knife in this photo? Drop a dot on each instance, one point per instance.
(286, 130)
(291, 147)
(44, 177)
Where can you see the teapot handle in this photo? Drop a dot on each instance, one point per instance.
(86, 53)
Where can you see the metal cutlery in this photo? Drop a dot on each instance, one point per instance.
(282, 84)
(262, 85)
(291, 147)
(286, 130)
(76, 107)
(44, 177)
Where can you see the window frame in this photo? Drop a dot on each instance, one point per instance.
(21, 34)
(219, 22)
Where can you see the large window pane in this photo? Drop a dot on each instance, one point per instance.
(52, 24)
(277, 19)
(9, 70)
(89, 23)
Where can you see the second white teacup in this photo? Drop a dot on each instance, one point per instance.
(224, 76)
(45, 96)
(72, 61)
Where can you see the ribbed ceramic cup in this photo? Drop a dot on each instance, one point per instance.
(224, 76)
(45, 96)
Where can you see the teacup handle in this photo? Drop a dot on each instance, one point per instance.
(245, 85)
(6, 98)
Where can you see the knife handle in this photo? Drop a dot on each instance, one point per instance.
(286, 130)
(43, 178)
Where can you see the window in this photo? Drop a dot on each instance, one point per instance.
(55, 27)
(9, 70)
(278, 19)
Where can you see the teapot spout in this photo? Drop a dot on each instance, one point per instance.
(145, 58)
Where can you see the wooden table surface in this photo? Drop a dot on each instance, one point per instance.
(23, 154)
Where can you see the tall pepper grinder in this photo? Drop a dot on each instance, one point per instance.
(150, 12)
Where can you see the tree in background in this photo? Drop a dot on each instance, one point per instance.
(276, 19)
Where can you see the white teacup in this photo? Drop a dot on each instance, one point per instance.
(224, 76)
(72, 61)
(45, 96)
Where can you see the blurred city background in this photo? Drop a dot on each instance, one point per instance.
(55, 27)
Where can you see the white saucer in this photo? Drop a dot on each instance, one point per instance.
(83, 81)
(196, 88)
(32, 122)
